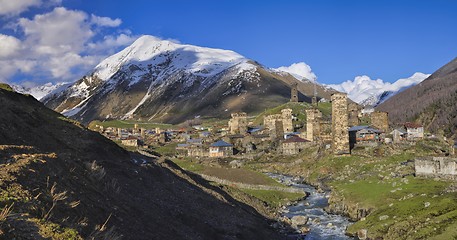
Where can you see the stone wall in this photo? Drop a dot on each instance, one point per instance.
(239, 123)
(442, 167)
(340, 134)
(380, 120)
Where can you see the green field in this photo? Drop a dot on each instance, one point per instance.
(274, 198)
(129, 124)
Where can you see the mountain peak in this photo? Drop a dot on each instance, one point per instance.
(150, 50)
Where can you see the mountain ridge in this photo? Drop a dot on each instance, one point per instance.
(433, 102)
(171, 82)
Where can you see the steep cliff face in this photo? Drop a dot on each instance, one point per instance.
(432, 102)
(160, 80)
(64, 181)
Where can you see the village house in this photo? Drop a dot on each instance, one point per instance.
(294, 145)
(221, 149)
(398, 135)
(364, 135)
(414, 131)
(131, 142)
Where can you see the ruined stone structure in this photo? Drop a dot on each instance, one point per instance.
(340, 134)
(285, 118)
(143, 132)
(294, 145)
(313, 118)
(441, 167)
(353, 114)
(239, 123)
(380, 120)
(119, 132)
(294, 93)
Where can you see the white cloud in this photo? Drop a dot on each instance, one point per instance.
(110, 42)
(60, 45)
(300, 71)
(58, 31)
(105, 21)
(9, 46)
(363, 87)
(15, 7)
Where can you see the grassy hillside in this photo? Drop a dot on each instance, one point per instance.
(377, 187)
(59, 180)
(298, 109)
(432, 102)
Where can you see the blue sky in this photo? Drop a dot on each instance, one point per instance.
(338, 39)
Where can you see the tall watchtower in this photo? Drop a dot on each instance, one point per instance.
(294, 93)
(340, 133)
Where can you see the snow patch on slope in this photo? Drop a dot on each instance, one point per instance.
(367, 91)
(38, 92)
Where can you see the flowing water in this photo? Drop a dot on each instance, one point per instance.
(322, 225)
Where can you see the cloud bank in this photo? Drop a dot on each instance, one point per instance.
(58, 45)
(363, 87)
(299, 70)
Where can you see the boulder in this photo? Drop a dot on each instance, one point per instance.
(299, 220)
(305, 230)
(362, 234)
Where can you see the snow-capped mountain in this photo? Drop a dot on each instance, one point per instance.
(168, 81)
(38, 92)
(369, 92)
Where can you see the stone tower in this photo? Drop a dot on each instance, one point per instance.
(239, 123)
(340, 134)
(286, 115)
(353, 114)
(294, 93)
(380, 120)
(313, 118)
(119, 132)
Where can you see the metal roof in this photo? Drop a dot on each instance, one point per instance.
(221, 143)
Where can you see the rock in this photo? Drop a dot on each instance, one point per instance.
(427, 204)
(299, 220)
(317, 220)
(329, 225)
(362, 234)
(236, 164)
(305, 230)
(383, 217)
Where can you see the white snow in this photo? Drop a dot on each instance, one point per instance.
(149, 50)
(38, 92)
(368, 91)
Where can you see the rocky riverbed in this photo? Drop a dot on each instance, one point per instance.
(308, 216)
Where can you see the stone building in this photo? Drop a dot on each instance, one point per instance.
(353, 114)
(443, 167)
(221, 149)
(380, 120)
(131, 142)
(294, 93)
(239, 123)
(313, 118)
(294, 145)
(340, 134)
(270, 121)
(364, 136)
(414, 131)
